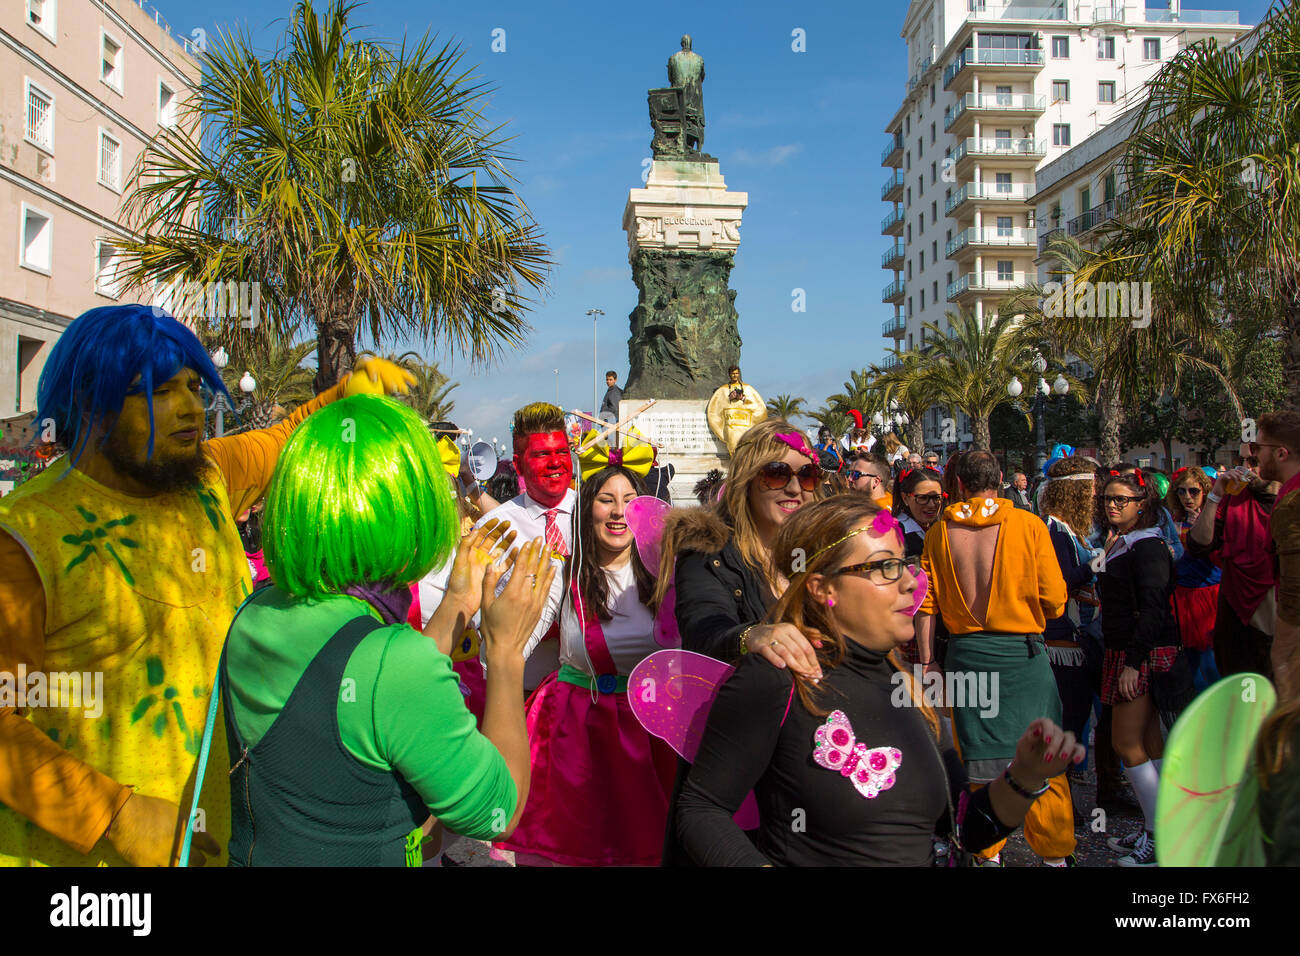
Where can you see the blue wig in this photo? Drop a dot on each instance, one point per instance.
(95, 364)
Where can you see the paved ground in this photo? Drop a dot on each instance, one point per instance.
(1092, 849)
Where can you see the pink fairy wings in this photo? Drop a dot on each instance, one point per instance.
(645, 515)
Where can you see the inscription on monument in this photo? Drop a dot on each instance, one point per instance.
(678, 432)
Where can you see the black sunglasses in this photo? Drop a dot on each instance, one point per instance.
(854, 475)
(777, 474)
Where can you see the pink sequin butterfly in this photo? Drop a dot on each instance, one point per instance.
(871, 770)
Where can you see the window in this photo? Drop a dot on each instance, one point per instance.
(909, 270)
(920, 186)
(923, 298)
(920, 146)
(1106, 48)
(110, 162)
(934, 173)
(909, 197)
(920, 225)
(1106, 91)
(40, 117)
(1060, 48)
(934, 287)
(1060, 91)
(932, 94)
(923, 260)
(35, 241)
(1085, 199)
(1003, 96)
(43, 16)
(934, 211)
(1002, 138)
(1006, 270)
(1004, 182)
(1004, 225)
(908, 155)
(107, 282)
(1060, 134)
(110, 65)
(1109, 187)
(1151, 48)
(166, 105)
(934, 248)
(932, 133)
(909, 233)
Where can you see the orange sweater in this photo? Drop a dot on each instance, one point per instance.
(39, 779)
(1026, 587)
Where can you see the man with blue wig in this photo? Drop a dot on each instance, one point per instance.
(121, 568)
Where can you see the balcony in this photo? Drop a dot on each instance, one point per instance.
(894, 292)
(983, 10)
(994, 63)
(974, 240)
(1097, 215)
(893, 257)
(1108, 14)
(893, 153)
(1017, 193)
(960, 118)
(889, 362)
(915, 80)
(894, 328)
(892, 224)
(1047, 237)
(975, 284)
(1021, 153)
(1217, 17)
(892, 190)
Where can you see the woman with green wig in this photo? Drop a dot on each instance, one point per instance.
(346, 726)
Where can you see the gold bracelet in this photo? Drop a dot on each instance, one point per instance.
(744, 635)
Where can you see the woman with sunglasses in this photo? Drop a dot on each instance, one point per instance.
(854, 760)
(916, 506)
(1196, 596)
(1135, 585)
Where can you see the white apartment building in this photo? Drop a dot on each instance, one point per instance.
(997, 90)
(84, 85)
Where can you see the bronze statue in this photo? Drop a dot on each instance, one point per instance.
(686, 73)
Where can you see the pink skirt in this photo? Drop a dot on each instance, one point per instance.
(601, 783)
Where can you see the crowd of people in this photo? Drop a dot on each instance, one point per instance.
(402, 656)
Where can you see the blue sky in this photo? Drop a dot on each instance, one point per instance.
(800, 132)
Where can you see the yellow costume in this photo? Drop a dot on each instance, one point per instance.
(733, 410)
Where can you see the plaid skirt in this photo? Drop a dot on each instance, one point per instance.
(1159, 661)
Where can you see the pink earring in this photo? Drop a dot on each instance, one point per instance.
(830, 602)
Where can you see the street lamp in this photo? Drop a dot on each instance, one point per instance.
(220, 359)
(595, 362)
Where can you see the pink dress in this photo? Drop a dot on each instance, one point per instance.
(601, 783)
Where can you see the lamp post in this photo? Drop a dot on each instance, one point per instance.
(595, 361)
(220, 359)
(1060, 387)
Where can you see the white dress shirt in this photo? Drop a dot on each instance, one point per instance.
(528, 518)
(629, 635)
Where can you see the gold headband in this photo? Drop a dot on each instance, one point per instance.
(880, 524)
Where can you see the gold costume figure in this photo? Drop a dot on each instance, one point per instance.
(734, 409)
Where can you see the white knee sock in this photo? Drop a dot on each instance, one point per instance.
(1145, 780)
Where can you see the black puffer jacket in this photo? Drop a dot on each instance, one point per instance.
(718, 595)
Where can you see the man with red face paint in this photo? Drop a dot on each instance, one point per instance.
(543, 509)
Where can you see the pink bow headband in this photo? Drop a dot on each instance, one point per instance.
(797, 442)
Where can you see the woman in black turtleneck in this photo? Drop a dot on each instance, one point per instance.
(775, 732)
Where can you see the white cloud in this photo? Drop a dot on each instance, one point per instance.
(775, 156)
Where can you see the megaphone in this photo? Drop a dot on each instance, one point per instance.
(482, 460)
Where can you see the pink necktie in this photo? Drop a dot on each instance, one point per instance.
(555, 540)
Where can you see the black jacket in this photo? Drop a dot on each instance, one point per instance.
(1135, 591)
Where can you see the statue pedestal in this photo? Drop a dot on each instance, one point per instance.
(683, 230)
(681, 429)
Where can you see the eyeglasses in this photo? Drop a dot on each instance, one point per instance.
(1121, 500)
(853, 476)
(777, 474)
(885, 571)
(1255, 446)
(927, 499)
(1189, 492)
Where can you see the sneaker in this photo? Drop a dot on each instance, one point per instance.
(1064, 863)
(1144, 854)
(1124, 844)
(995, 860)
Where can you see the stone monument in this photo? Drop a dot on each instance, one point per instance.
(683, 230)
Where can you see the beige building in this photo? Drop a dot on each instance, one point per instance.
(997, 90)
(84, 85)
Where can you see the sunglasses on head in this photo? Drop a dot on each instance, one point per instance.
(777, 474)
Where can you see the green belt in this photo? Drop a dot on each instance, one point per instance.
(605, 683)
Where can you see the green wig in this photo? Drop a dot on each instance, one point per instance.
(359, 496)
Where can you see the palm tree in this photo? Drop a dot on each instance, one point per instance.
(832, 417)
(357, 183)
(786, 407)
(1216, 183)
(429, 395)
(277, 362)
(969, 368)
(907, 387)
(1128, 364)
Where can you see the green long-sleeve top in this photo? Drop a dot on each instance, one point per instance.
(400, 706)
